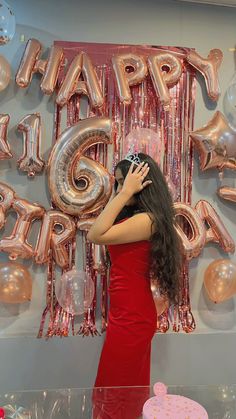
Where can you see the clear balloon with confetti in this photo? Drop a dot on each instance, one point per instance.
(7, 23)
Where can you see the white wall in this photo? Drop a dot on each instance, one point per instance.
(30, 363)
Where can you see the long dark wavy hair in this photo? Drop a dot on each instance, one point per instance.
(156, 200)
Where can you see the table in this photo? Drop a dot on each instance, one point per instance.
(219, 401)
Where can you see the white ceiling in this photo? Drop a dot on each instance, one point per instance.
(228, 3)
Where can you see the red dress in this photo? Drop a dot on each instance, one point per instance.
(132, 320)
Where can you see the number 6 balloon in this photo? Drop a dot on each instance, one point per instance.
(79, 185)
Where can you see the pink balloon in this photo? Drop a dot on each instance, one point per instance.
(74, 291)
(144, 140)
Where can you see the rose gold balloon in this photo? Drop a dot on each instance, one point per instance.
(216, 144)
(31, 64)
(15, 283)
(193, 246)
(220, 280)
(56, 232)
(84, 224)
(16, 244)
(5, 73)
(208, 67)
(92, 82)
(25, 71)
(5, 152)
(162, 80)
(79, 185)
(7, 196)
(99, 251)
(51, 70)
(161, 302)
(31, 161)
(71, 84)
(124, 79)
(216, 232)
(227, 193)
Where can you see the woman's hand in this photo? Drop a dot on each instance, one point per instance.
(134, 181)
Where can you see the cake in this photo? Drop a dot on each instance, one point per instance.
(169, 406)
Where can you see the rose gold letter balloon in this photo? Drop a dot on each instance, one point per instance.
(191, 246)
(217, 232)
(16, 244)
(208, 67)
(162, 80)
(220, 280)
(31, 161)
(124, 79)
(84, 224)
(79, 185)
(31, 64)
(5, 73)
(227, 193)
(28, 61)
(72, 85)
(15, 283)
(5, 152)
(6, 200)
(51, 238)
(98, 251)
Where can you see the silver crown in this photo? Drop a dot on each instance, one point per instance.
(132, 156)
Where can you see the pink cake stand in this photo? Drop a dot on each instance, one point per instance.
(168, 406)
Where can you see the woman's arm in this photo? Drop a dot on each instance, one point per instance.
(135, 228)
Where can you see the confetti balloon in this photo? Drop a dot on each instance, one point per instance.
(74, 291)
(230, 103)
(7, 23)
(144, 140)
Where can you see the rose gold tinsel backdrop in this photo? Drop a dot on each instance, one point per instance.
(175, 158)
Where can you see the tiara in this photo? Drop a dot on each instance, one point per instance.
(132, 156)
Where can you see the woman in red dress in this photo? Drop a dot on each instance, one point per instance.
(138, 228)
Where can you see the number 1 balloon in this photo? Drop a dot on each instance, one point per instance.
(31, 161)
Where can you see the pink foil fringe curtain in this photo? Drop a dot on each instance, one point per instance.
(176, 161)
